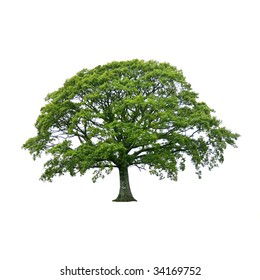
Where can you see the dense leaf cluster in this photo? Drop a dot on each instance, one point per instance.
(130, 113)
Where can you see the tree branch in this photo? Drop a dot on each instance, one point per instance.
(99, 166)
(194, 132)
(139, 167)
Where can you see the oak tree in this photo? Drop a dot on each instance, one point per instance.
(129, 113)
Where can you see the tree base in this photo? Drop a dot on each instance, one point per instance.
(124, 199)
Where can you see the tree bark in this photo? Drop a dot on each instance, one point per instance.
(125, 194)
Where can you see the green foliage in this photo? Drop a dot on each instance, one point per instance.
(129, 113)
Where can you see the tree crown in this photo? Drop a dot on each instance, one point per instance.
(128, 113)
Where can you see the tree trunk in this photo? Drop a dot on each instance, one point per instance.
(125, 194)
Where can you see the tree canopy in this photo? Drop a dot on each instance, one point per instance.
(128, 113)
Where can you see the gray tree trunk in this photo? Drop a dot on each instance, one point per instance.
(125, 194)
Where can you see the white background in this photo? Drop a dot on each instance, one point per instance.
(212, 222)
